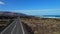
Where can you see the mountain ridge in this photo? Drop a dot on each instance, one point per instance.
(6, 13)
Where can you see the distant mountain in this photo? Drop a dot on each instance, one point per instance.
(8, 13)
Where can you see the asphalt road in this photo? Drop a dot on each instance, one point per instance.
(16, 27)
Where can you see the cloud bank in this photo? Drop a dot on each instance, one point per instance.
(1, 2)
(38, 12)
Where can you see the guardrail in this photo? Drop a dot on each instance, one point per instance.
(14, 28)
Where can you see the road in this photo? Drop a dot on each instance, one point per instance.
(16, 27)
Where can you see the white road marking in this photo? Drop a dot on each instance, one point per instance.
(22, 27)
(13, 29)
(6, 28)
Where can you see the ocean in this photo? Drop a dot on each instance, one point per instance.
(50, 16)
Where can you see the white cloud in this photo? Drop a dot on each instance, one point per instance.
(2, 2)
(43, 10)
(38, 12)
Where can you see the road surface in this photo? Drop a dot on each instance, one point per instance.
(16, 27)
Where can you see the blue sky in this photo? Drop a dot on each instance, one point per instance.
(31, 7)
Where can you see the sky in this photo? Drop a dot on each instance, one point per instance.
(31, 7)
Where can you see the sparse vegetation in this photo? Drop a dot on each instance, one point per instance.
(4, 22)
(42, 25)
